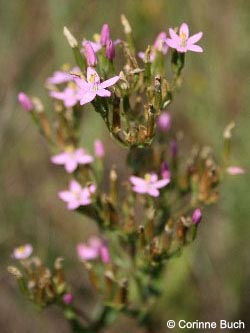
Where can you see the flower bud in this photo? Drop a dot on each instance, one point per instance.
(105, 34)
(90, 55)
(197, 216)
(235, 170)
(99, 149)
(67, 298)
(70, 38)
(110, 50)
(25, 101)
(173, 148)
(164, 122)
(165, 172)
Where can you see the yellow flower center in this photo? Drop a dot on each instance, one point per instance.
(69, 148)
(21, 249)
(183, 37)
(147, 177)
(92, 78)
(66, 67)
(96, 38)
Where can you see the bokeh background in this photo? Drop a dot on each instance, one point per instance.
(211, 280)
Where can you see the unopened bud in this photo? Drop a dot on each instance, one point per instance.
(25, 101)
(173, 148)
(165, 172)
(68, 298)
(164, 122)
(99, 149)
(70, 38)
(197, 216)
(90, 55)
(105, 34)
(126, 25)
(110, 50)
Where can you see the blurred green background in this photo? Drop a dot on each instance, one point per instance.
(211, 280)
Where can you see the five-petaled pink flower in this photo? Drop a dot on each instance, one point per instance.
(94, 249)
(149, 184)
(235, 170)
(93, 86)
(69, 96)
(23, 252)
(160, 45)
(77, 196)
(72, 158)
(182, 42)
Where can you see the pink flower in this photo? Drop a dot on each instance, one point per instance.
(182, 42)
(69, 96)
(72, 158)
(94, 249)
(149, 184)
(68, 298)
(164, 121)
(197, 216)
(235, 170)
(25, 101)
(77, 196)
(160, 45)
(60, 77)
(22, 252)
(99, 149)
(105, 34)
(93, 86)
(90, 54)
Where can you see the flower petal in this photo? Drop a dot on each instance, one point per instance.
(140, 189)
(70, 165)
(85, 159)
(60, 158)
(103, 93)
(162, 183)
(184, 29)
(104, 254)
(59, 77)
(87, 97)
(85, 252)
(66, 196)
(91, 73)
(195, 38)
(137, 181)
(173, 35)
(57, 94)
(74, 186)
(195, 48)
(109, 82)
(153, 192)
(172, 43)
(82, 84)
(153, 177)
(74, 204)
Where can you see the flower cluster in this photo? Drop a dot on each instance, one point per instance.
(147, 213)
